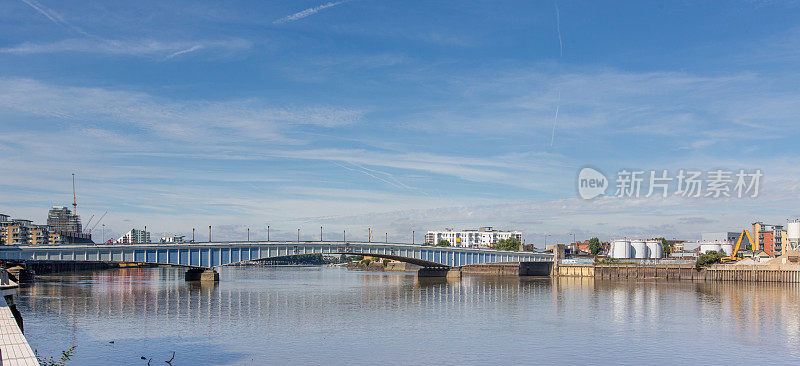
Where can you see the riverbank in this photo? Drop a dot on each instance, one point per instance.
(382, 266)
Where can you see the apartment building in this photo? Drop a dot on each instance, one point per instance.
(483, 237)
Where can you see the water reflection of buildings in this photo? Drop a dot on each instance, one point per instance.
(320, 298)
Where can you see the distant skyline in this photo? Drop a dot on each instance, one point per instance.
(398, 116)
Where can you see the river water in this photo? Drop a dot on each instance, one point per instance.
(329, 315)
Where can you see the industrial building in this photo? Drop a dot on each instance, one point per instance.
(483, 237)
(134, 236)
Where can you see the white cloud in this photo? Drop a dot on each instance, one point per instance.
(166, 119)
(128, 47)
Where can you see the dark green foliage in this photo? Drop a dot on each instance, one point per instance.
(443, 243)
(507, 244)
(595, 246)
(707, 259)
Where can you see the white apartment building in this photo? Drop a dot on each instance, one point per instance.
(483, 237)
(134, 236)
(172, 239)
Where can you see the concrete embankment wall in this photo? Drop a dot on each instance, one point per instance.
(509, 269)
(718, 272)
(754, 273)
(662, 271)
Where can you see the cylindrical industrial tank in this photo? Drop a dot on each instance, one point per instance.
(620, 249)
(726, 248)
(654, 249)
(793, 230)
(638, 249)
(709, 246)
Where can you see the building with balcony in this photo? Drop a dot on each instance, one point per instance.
(483, 237)
(134, 236)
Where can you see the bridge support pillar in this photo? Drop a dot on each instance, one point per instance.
(202, 275)
(439, 272)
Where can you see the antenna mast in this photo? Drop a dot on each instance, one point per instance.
(74, 197)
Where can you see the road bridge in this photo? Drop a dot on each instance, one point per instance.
(215, 254)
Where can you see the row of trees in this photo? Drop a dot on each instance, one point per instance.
(502, 244)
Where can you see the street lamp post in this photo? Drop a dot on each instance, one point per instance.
(209, 233)
(267, 232)
(248, 234)
(320, 233)
(412, 237)
(387, 238)
(298, 235)
(103, 239)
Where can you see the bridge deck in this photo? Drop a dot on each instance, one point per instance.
(218, 254)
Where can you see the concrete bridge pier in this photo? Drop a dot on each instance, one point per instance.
(439, 272)
(202, 275)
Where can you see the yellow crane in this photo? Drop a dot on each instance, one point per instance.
(733, 257)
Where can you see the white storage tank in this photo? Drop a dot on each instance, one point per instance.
(793, 231)
(654, 248)
(620, 249)
(638, 249)
(708, 246)
(727, 248)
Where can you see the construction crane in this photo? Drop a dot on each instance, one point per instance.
(98, 221)
(74, 197)
(90, 221)
(733, 257)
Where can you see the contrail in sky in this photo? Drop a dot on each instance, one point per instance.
(178, 53)
(558, 28)
(560, 54)
(54, 16)
(308, 12)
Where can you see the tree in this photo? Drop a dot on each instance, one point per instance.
(665, 247)
(708, 258)
(507, 244)
(443, 243)
(595, 246)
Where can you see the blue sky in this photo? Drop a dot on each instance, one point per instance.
(398, 116)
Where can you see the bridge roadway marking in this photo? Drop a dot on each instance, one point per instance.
(208, 255)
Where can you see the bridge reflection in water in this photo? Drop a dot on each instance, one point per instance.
(308, 313)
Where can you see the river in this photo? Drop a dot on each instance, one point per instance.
(329, 315)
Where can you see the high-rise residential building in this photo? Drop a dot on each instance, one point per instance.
(25, 232)
(483, 237)
(768, 238)
(134, 236)
(61, 218)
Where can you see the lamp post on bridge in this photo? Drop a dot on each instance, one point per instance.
(192, 235)
(298, 235)
(248, 234)
(387, 238)
(320, 233)
(267, 232)
(344, 236)
(103, 239)
(209, 233)
(412, 237)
